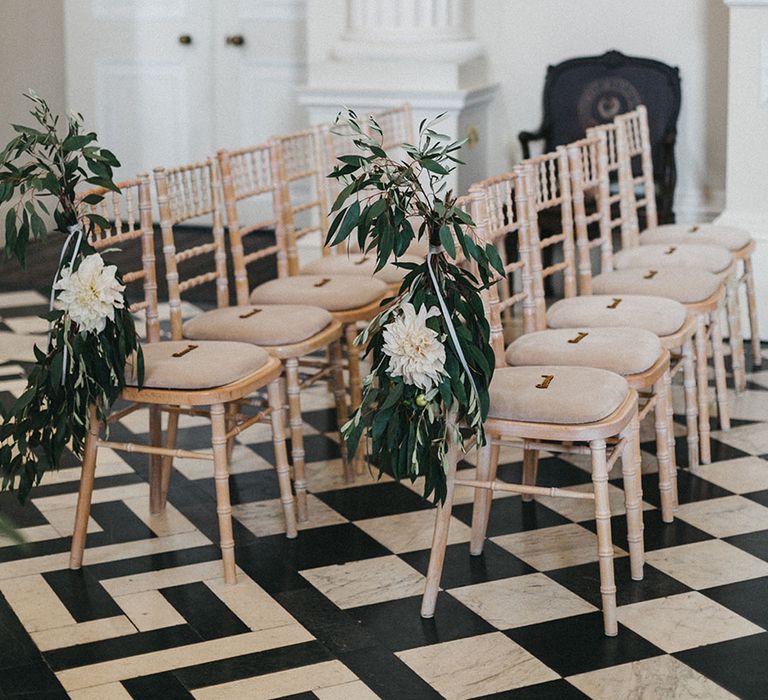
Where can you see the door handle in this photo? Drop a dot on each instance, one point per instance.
(235, 40)
(185, 39)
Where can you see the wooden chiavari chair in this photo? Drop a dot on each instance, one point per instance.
(181, 377)
(640, 196)
(701, 292)
(554, 408)
(287, 332)
(511, 206)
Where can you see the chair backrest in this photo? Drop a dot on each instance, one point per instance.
(497, 208)
(592, 203)
(634, 127)
(249, 176)
(396, 126)
(301, 185)
(185, 193)
(129, 213)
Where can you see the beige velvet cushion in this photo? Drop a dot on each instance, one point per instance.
(575, 394)
(269, 325)
(656, 314)
(711, 258)
(684, 284)
(340, 293)
(621, 350)
(730, 237)
(210, 364)
(355, 264)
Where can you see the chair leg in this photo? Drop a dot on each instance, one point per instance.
(342, 411)
(691, 408)
(702, 387)
(87, 476)
(157, 500)
(735, 336)
(633, 498)
(232, 410)
(355, 391)
(671, 434)
(281, 458)
(155, 461)
(530, 471)
(754, 330)
(718, 360)
(440, 538)
(297, 435)
(604, 539)
(487, 459)
(662, 451)
(223, 501)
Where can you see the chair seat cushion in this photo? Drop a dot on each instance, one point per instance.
(259, 325)
(656, 314)
(340, 293)
(711, 258)
(208, 364)
(574, 394)
(731, 237)
(355, 264)
(684, 284)
(622, 350)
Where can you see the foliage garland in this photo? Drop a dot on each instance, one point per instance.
(403, 416)
(81, 366)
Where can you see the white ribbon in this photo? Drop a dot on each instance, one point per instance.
(436, 250)
(74, 230)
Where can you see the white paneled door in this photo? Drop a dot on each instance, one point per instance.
(166, 82)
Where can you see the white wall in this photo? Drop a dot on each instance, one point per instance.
(522, 37)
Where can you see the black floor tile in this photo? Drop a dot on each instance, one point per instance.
(656, 533)
(246, 487)
(577, 644)
(318, 448)
(513, 515)
(387, 676)
(747, 598)
(760, 497)
(323, 419)
(756, 543)
(119, 523)
(722, 452)
(82, 594)
(255, 664)
(26, 515)
(462, 569)
(553, 690)
(204, 611)
(16, 646)
(158, 686)
(336, 629)
(31, 681)
(584, 580)
(373, 501)
(398, 625)
(739, 665)
(690, 488)
(553, 471)
(153, 562)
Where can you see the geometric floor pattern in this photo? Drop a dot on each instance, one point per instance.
(334, 614)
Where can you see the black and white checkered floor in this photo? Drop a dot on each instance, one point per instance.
(335, 613)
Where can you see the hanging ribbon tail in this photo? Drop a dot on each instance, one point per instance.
(74, 231)
(436, 250)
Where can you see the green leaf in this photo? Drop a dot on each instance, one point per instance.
(433, 166)
(447, 240)
(75, 142)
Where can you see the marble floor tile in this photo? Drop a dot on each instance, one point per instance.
(684, 621)
(149, 610)
(553, 547)
(169, 522)
(741, 475)
(83, 632)
(282, 683)
(267, 518)
(521, 600)
(28, 325)
(18, 347)
(35, 603)
(365, 582)
(469, 668)
(251, 603)
(9, 300)
(724, 517)
(329, 476)
(706, 564)
(355, 689)
(649, 679)
(154, 580)
(113, 691)
(409, 532)
(752, 439)
(579, 510)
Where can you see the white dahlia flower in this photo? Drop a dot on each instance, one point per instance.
(415, 351)
(91, 294)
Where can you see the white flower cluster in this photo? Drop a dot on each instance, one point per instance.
(415, 351)
(91, 294)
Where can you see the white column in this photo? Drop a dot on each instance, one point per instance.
(747, 157)
(417, 51)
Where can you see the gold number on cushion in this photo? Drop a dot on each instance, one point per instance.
(650, 274)
(189, 348)
(547, 381)
(581, 335)
(614, 303)
(251, 313)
